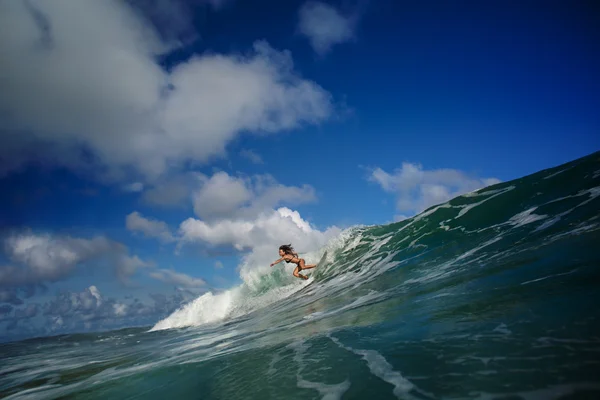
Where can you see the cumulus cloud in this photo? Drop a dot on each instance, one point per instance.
(102, 99)
(225, 196)
(149, 227)
(244, 234)
(417, 189)
(127, 266)
(120, 309)
(177, 278)
(46, 258)
(252, 156)
(220, 196)
(324, 26)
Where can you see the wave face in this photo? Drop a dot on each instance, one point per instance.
(490, 295)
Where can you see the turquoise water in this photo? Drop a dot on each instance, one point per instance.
(491, 295)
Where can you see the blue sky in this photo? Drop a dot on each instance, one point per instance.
(158, 150)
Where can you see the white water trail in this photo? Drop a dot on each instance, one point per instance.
(211, 308)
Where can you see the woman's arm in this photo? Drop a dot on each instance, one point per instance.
(277, 262)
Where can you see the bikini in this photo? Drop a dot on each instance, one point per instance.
(290, 261)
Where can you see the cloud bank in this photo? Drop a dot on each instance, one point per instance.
(104, 106)
(87, 310)
(43, 258)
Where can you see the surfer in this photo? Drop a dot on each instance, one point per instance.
(289, 255)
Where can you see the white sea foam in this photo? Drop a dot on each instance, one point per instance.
(476, 249)
(469, 207)
(382, 369)
(557, 173)
(525, 217)
(502, 328)
(327, 391)
(205, 309)
(478, 192)
(593, 192)
(549, 276)
(211, 308)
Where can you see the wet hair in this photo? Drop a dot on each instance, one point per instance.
(287, 249)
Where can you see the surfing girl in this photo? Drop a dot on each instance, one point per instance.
(289, 255)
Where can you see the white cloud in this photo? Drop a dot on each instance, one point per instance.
(225, 196)
(251, 156)
(128, 266)
(324, 26)
(102, 99)
(242, 234)
(120, 309)
(149, 227)
(220, 195)
(47, 258)
(177, 278)
(95, 293)
(218, 265)
(417, 189)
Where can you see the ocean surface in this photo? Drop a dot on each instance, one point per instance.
(492, 295)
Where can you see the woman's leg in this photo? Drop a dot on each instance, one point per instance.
(297, 275)
(304, 266)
